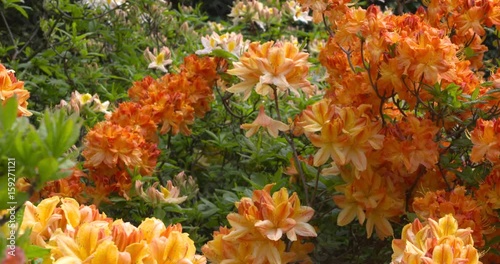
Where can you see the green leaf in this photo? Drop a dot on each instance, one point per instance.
(224, 54)
(475, 94)
(34, 252)
(8, 114)
(59, 132)
(21, 10)
(159, 213)
(207, 208)
(47, 169)
(469, 52)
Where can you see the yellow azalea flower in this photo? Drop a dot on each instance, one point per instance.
(177, 248)
(71, 210)
(138, 252)
(162, 196)
(151, 228)
(87, 241)
(273, 126)
(41, 219)
(158, 60)
(125, 234)
(77, 101)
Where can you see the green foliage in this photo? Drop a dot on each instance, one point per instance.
(40, 155)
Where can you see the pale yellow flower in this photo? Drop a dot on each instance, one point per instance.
(162, 196)
(158, 60)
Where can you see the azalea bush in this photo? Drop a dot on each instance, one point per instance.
(301, 131)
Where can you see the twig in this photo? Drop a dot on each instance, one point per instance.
(348, 54)
(313, 197)
(420, 172)
(330, 32)
(11, 36)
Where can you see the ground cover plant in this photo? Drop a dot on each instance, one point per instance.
(308, 131)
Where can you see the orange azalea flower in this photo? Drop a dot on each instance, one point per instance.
(125, 234)
(258, 227)
(488, 200)
(320, 7)
(220, 250)
(437, 242)
(292, 169)
(316, 116)
(174, 100)
(463, 207)
(486, 141)
(410, 143)
(369, 197)
(273, 126)
(488, 194)
(138, 117)
(269, 65)
(10, 87)
(282, 214)
(347, 137)
(109, 145)
(71, 186)
(203, 68)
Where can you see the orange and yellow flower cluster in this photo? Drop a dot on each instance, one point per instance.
(387, 56)
(463, 207)
(346, 134)
(258, 230)
(437, 242)
(80, 234)
(486, 140)
(377, 123)
(175, 100)
(127, 140)
(11, 87)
